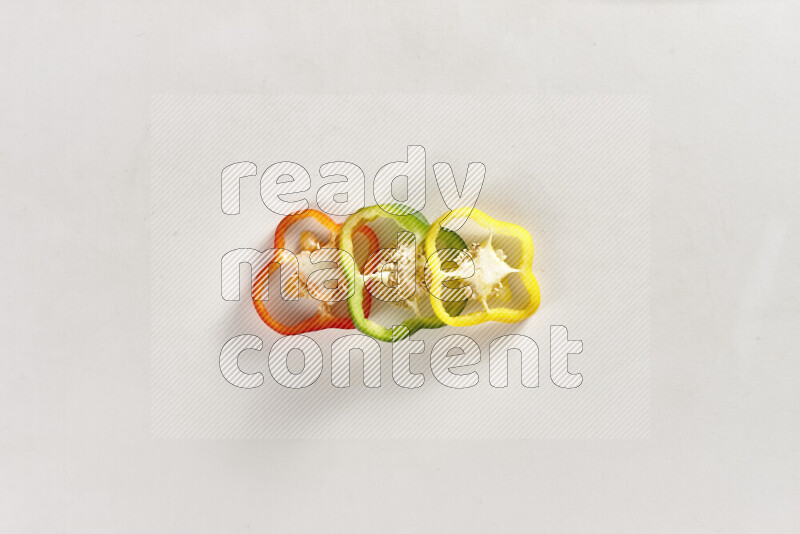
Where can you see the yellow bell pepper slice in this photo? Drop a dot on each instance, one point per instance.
(489, 271)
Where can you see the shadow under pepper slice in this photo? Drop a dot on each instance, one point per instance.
(418, 226)
(485, 273)
(323, 318)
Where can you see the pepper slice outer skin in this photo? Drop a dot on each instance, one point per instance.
(317, 321)
(503, 315)
(414, 223)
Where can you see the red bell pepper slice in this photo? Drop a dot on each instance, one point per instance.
(323, 318)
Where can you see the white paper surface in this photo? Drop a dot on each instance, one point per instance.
(75, 429)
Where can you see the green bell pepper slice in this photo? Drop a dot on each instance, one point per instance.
(417, 225)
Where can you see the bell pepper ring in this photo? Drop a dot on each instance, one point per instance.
(485, 273)
(305, 285)
(402, 256)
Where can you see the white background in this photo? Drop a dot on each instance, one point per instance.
(75, 424)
